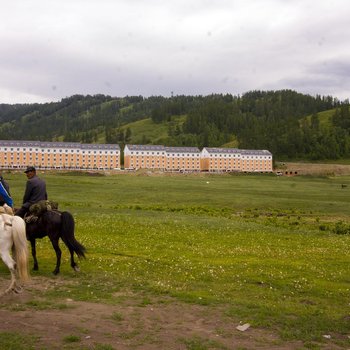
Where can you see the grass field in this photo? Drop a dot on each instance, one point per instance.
(268, 248)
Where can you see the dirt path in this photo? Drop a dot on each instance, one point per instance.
(290, 168)
(157, 324)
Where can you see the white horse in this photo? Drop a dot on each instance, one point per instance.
(13, 236)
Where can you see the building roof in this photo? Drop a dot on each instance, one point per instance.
(19, 143)
(47, 144)
(146, 148)
(60, 145)
(259, 152)
(222, 150)
(100, 146)
(182, 149)
(238, 151)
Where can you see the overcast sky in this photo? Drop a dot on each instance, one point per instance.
(54, 49)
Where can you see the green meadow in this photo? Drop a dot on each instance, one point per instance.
(275, 251)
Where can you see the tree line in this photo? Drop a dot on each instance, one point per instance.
(285, 122)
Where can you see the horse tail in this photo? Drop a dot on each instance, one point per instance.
(21, 248)
(68, 234)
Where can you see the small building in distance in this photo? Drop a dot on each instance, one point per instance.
(235, 160)
(220, 159)
(161, 157)
(186, 159)
(256, 161)
(144, 157)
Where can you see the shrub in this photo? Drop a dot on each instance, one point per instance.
(341, 228)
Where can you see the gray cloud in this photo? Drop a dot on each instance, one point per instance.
(325, 78)
(52, 50)
(336, 68)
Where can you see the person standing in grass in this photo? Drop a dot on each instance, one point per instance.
(35, 191)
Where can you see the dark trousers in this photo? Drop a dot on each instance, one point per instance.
(21, 212)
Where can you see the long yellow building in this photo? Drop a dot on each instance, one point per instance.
(78, 156)
(234, 159)
(59, 155)
(161, 157)
(192, 159)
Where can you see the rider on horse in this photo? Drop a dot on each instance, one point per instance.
(35, 191)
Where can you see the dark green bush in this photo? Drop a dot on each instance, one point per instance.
(341, 228)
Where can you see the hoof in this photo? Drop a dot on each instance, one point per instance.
(76, 268)
(18, 289)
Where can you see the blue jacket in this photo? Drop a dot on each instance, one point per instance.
(4, 195)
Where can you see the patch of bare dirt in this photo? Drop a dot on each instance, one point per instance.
(160, 324)
(290, 168)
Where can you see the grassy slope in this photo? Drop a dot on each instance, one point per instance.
(146, 128)
(250, 242)
(324, 118)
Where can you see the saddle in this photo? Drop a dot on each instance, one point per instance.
(5, 209)
(37, 209)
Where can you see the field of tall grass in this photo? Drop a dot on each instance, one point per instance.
(274, 250)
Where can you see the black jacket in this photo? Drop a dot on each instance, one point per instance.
(35, 191)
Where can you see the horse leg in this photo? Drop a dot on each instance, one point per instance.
(36, 266)
(58, 251)
(12, 286)
(73, 264)
(10, 263)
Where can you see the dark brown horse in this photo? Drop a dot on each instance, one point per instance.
(55, 225)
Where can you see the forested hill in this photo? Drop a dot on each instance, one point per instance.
(287, 123)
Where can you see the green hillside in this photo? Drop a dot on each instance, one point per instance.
(293, 126)
(325, 118)
(146, 131)
(232, 144)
